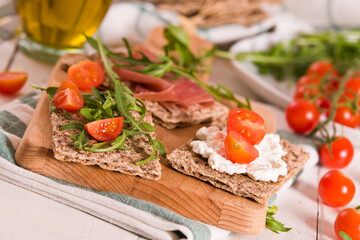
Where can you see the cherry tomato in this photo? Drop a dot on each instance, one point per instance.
(12, 82)
(306, 80)
(86, 74)
(68, 97)
(302, 115)
(348, 221)
(336, 189)
(247, 123)
(346, 117)
(324, 104)
(354, 85)
(305, 87)
(321, 68)
(238, 149)
(342, 152)
(105, 129)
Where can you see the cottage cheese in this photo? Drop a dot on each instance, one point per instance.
(267, 167)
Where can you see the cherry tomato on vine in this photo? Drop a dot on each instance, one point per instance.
(302, 115)
(324, 104)
(345, 116)
(238, 149)
(306, 87)
(342, 152)
(353, 84)
(68, 97)
(105, 129)
(321, 68)
(336, 189)
(247, 123)
(348, 221)
(86, 74)
(12, 82)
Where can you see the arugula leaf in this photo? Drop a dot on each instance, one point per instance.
(66, 114)
(50, 90)
(117, 143)
(73, 125)
(272, 224)
(344, 236)
(88, 113)
(148, 127)
(81, 141)
(160, 147)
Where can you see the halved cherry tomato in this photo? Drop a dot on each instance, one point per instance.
(348, 221)
(247, 123)
(346, 117)
(68, 84)
(321, 68)
(105, 129)
(302, 115)
(238, 149)
(11, 82)
(68, 97)
(336, 189)
(342, 152)
(86, 74)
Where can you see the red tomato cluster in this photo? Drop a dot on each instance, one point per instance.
(315, 91)
(312, 98)
(245, 128)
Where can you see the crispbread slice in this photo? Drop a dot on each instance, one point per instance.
(186, 161)
(116, 160)
(172, 116)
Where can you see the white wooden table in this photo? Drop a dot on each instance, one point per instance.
(27, 215)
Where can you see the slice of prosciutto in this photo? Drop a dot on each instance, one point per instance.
(183, 92)
(150, 82)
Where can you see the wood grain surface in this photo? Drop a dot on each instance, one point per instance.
(185, 195)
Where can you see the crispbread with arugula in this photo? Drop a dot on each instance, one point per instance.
(136, 148)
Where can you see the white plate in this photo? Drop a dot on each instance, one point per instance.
(275, 92)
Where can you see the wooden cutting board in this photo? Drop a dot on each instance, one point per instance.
(182, 194)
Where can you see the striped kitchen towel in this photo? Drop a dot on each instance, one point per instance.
(140, 217)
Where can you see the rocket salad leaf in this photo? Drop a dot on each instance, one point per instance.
(271, 222)
(291, 59)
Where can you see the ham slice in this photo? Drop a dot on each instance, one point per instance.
(152, 56)
(151, 82)
(183, 92)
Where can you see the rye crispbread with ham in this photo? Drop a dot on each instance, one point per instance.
(174, 103)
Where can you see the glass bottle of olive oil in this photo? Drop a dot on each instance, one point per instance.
(51, 25)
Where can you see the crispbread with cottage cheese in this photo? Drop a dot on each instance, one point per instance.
(186, 161)
(116, 160)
